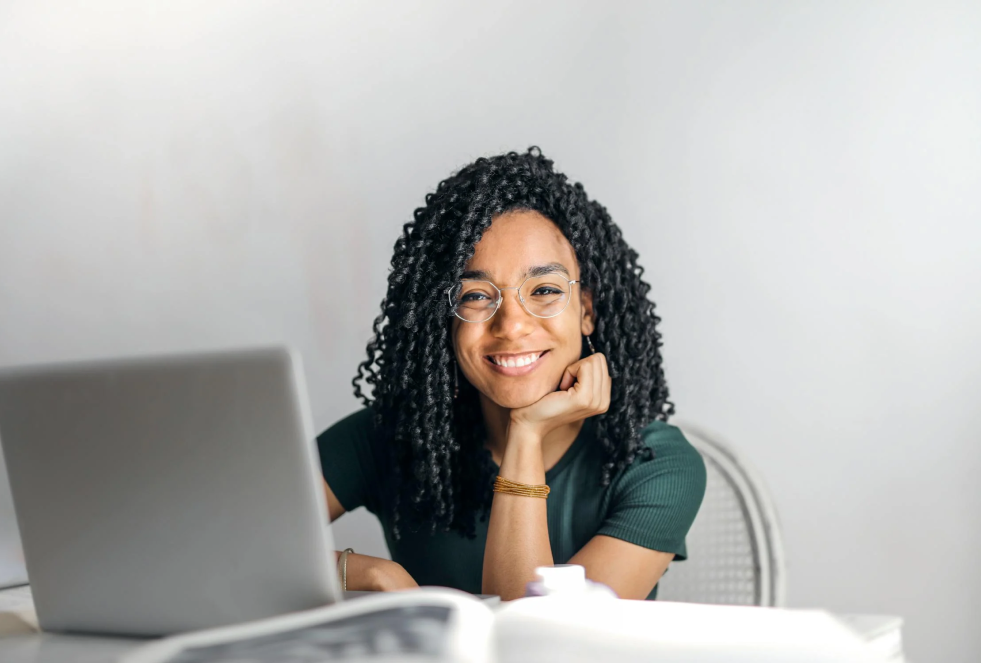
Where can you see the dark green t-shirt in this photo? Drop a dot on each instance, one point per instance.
(651, 503)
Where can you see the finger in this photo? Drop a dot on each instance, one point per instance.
(602, 384)
(594, 383)
(599, 387)
(586, 385)
(601, 360)
(570, 375)
(568, 379)
(607, 394)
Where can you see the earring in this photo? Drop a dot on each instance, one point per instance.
(456, 380)
(589, 342)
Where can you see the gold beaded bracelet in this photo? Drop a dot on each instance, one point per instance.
(502, 485)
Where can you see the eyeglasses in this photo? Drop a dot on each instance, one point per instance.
(543, 296)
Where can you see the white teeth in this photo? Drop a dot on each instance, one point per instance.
(515, 362)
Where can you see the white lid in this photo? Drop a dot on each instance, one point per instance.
(562, 577)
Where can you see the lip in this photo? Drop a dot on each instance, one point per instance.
(515, 371)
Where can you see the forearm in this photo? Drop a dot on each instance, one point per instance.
(517, 534)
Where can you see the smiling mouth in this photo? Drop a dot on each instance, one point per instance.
(514, 363)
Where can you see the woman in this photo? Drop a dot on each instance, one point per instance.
(516, 341)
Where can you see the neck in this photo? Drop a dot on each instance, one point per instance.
(497, 419)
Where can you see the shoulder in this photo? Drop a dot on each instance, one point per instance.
(355, 435)
(667, 440)
(359, 425)
(353, 461)
(674, 469)
(654, 500)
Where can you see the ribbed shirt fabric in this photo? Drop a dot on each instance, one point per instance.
(652, 503)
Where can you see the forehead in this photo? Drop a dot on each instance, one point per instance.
(518, 241)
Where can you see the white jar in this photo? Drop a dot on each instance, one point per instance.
(566, 580)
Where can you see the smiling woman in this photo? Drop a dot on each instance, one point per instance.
(518, 414)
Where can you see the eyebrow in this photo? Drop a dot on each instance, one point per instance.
(537, 270)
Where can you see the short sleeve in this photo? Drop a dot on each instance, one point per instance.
(654, 501)
(349, 461)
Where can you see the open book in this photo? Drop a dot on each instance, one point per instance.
(445, 625)
(428, 624)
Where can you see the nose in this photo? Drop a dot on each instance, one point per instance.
(511, 319)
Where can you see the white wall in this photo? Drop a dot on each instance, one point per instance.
(801, 179)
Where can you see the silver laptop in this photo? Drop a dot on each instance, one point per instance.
(166, 494)
(13, 571)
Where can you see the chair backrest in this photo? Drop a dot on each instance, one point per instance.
(735, 550)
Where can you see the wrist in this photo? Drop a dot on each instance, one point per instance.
(388, 576)
(523, 459)
(524, 433)
(375, 578)
(363, 573)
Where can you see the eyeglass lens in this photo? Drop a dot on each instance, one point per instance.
(542, 296)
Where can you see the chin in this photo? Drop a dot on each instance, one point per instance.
(514, 399)
(514, 404)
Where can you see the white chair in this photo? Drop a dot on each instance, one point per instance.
(735, 550)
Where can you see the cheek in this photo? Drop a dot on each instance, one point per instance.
(466, 343)
(568, 339)
(566, 343)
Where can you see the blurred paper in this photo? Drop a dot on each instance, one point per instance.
(552, 629)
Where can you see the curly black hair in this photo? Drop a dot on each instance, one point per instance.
(443, 474)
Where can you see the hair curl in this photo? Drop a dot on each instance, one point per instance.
(443, 474)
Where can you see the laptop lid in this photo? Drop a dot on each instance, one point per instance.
(166, 494)
(13, 571)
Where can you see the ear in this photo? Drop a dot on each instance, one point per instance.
(588, 322)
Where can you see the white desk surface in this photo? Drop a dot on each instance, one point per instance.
(22, 642)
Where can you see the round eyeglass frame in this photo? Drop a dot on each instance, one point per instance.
(500, 298)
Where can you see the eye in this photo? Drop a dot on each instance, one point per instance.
(545, 290)
(473, 297)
